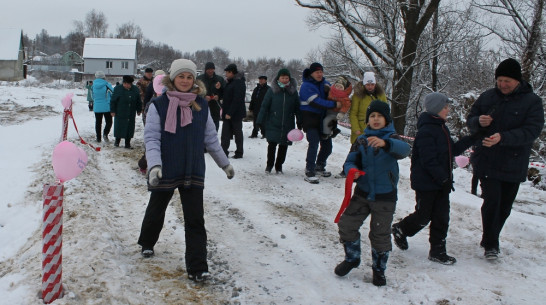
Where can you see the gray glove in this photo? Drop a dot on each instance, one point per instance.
(154, 175)
(230, 172)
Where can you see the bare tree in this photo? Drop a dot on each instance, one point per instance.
(387, 32)
(95, 25)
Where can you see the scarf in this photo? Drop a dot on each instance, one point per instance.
(183, 101)
(348, 190)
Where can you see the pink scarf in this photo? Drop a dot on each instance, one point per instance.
(176, 100)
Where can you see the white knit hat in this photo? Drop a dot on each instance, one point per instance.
(158, 72)
(99, 74)
(182, 65)
(369, 78)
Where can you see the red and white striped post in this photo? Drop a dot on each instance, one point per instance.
(52, 229)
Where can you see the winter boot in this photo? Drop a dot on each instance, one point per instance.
(116, 144)
(310, 177)
(105, 137)
(147, 252)
(321, 171)
(199, 276)
(341, 175)
(379, 264)
(400, 239)
(438, 254)
(352, 258)
(491, 253)
(268, 169)
(128, 143)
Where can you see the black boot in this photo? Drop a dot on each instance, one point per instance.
(116, 144)
(400, 239)
(128, 143)
(352, 258)
(438, 254)
(379, 278)
(379, 264)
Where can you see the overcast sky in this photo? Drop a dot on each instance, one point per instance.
(246, 28)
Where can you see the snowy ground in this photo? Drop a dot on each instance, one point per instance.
(272, 239)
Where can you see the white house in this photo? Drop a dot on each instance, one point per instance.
(12, 55)
(115, 57)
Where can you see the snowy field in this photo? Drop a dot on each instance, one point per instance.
(272, 239)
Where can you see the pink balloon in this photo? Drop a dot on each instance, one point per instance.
(68, 161)
(295, 135)
(158, 86)
(462, 161)
(67, 100)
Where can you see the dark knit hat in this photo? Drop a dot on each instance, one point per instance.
(315, 67)
(148, 70)
(262, 77)
(509, 68)
(283, 71)
(381, 107)
(128, 79)
(209, 65)
(231, 68)
(435, 102)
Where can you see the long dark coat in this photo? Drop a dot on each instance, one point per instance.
(234, 98)
(125, 103)
(279, 108)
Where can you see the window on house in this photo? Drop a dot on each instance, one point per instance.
(109, 65)
(125, 65)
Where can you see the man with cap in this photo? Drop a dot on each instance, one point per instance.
(256, 103)
(143, 84)
(431, 176)
(313, 109)
(511, 117)
(215, 90)
(234, 110)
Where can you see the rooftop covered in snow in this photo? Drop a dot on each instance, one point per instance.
(110, 48)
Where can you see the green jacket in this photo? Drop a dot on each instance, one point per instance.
(360, 101)
(125, 103)
(279, 108)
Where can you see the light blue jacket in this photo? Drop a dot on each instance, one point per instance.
(102, 91)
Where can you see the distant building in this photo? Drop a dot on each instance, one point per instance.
(12, 55)
(115, 57)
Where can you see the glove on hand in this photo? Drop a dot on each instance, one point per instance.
(154, 175)
(230, 172)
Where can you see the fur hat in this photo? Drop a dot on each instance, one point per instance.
(342, 81)
(315, 67)
(158, 72)
(509, 68)
(369, 78)
(283, 71)
(209, 65)
(381, 107)
(182, 65)
(128, 79)
(99, 74)
(231, 68)
(435, 102)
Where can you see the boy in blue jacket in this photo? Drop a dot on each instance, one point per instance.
(376, 153)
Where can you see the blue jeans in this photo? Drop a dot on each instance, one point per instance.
(313, 160)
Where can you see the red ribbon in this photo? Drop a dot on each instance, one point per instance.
(68, 112)
(348, 191)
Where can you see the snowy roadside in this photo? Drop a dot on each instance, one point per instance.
(272, 239)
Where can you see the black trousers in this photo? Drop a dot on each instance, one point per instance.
(498, 198)
(256, 127)
(98, 123)
(433, 207)
(194, 225)
(281, 155)
(232, 127)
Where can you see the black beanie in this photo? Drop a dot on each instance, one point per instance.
(148, 70)
(509, 68)
(315, 67)
(128, 79)
(283, 71)
(263, 77)
(381, 107)
(209, 65)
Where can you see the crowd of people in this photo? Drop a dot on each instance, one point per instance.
(182, 123)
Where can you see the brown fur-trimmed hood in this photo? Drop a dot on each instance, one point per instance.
(360, 90)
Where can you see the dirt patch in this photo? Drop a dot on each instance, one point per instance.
(12, 113)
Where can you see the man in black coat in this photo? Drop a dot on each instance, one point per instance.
(215, 90)
(256, 103)
(234, 110)
(511, 117)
